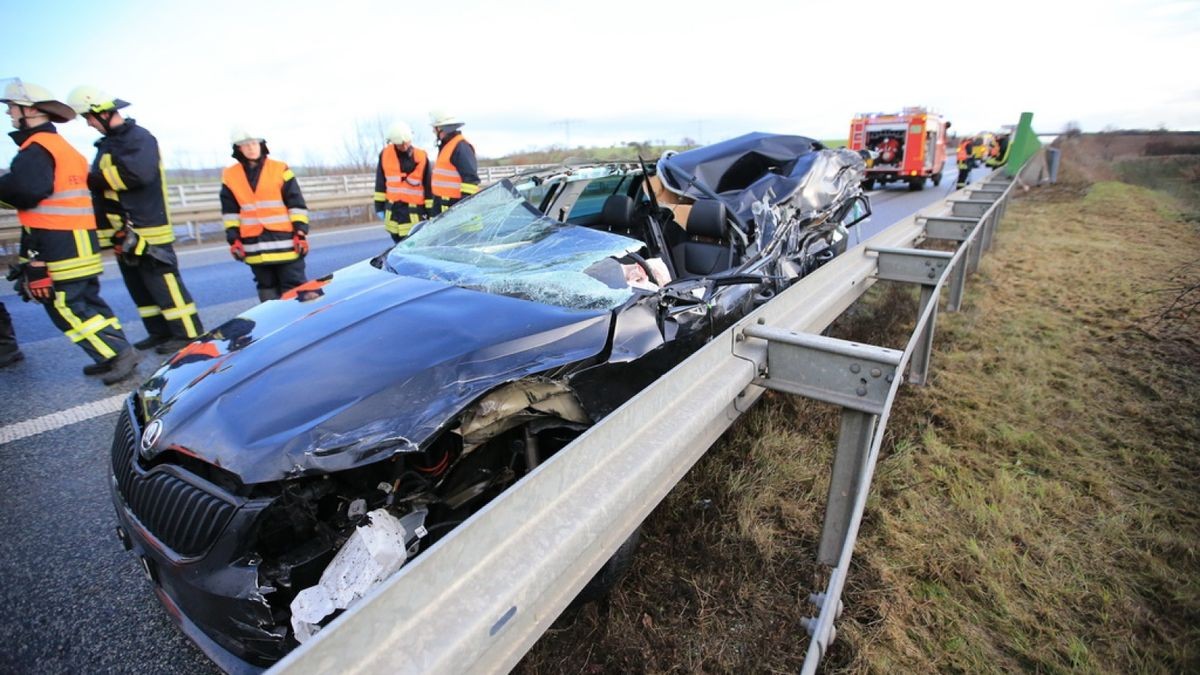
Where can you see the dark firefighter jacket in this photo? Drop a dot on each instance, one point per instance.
(128, 186)
(70, 253)
(266, 226)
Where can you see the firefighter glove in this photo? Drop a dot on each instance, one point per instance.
(38, 283)
(237, 250)
(300, 243)
(128, 243)
(381, 215)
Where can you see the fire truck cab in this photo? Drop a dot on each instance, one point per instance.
(909, 146)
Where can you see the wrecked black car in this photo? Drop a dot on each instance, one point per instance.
(273, 470)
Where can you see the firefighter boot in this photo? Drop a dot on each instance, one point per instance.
(123, 365)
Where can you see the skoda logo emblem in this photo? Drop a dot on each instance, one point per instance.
(151, 435)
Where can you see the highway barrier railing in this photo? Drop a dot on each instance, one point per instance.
(193, 205)
(479, 598)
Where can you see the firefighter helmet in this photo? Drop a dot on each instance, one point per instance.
(441, 118)
(88, 99)
(240, 135)
(399, 133)
(30, 95)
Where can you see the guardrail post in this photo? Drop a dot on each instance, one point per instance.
(956, 229)
(926, 268)
(182, 195)
(854, 376)
(854, 443)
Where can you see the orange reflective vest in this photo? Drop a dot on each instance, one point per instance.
(263, 207)
(962, 154)
(401, 187)
(447, 183)
(69, 207)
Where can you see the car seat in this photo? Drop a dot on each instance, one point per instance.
(708, 249)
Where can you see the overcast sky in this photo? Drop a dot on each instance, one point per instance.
(528, 75)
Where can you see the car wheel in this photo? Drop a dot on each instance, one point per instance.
(611, 572)
(915, 184)
(868, 184)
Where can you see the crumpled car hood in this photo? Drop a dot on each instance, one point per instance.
(350, 371)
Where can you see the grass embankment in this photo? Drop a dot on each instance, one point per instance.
(1036, 508)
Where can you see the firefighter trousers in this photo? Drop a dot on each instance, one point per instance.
(8, 337)
(162, 300)
(275, 279)
(83, 316)
(402, 218)
(964, 170)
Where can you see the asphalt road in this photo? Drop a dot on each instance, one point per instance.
(71, 599)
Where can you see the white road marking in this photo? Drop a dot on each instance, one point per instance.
(62, 418)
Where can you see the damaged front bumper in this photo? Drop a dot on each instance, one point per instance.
(212, 589)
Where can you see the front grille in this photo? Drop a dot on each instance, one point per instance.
(183, 516)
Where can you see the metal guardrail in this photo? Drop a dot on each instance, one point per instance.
(478, 599)
(191, 204)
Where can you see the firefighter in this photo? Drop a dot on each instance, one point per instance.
(59, 257)
(10, 352)
(130, 200)
(456, 173)
(965, 161)
(402, 180)
(266, 220)
(998, 152)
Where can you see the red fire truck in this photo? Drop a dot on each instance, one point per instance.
(909, 146)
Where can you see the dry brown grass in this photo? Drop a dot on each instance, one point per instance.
(1036, 508)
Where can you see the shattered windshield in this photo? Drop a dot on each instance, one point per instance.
(498, 243)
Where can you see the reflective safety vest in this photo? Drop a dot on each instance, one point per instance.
(401, 187)
(962, 154)
(447, 183)
(263, 220)
(261, 208)
(69, 207)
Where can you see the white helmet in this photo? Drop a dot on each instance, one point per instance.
(240, 135)
(399, 133)
(441, 118)
(88, 99)
(31, 95)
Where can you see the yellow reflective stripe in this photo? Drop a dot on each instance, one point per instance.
(381, 196)
(109, 170)
(81, 331)
(262, 258)
(184, 311)
(288, 174)
(157, 235)
(115, 220)
(111, 196)
(76, 268)
(298, 215)
(391, 226)
(429, 203)
(147, 311)
(469, 188)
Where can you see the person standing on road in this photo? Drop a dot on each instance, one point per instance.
(59, 253)
(129, 194)
(965, 148)
(266, 220)
(456, 173)
(402, 183)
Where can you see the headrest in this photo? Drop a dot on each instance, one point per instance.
(618, 212)
(707, 219)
